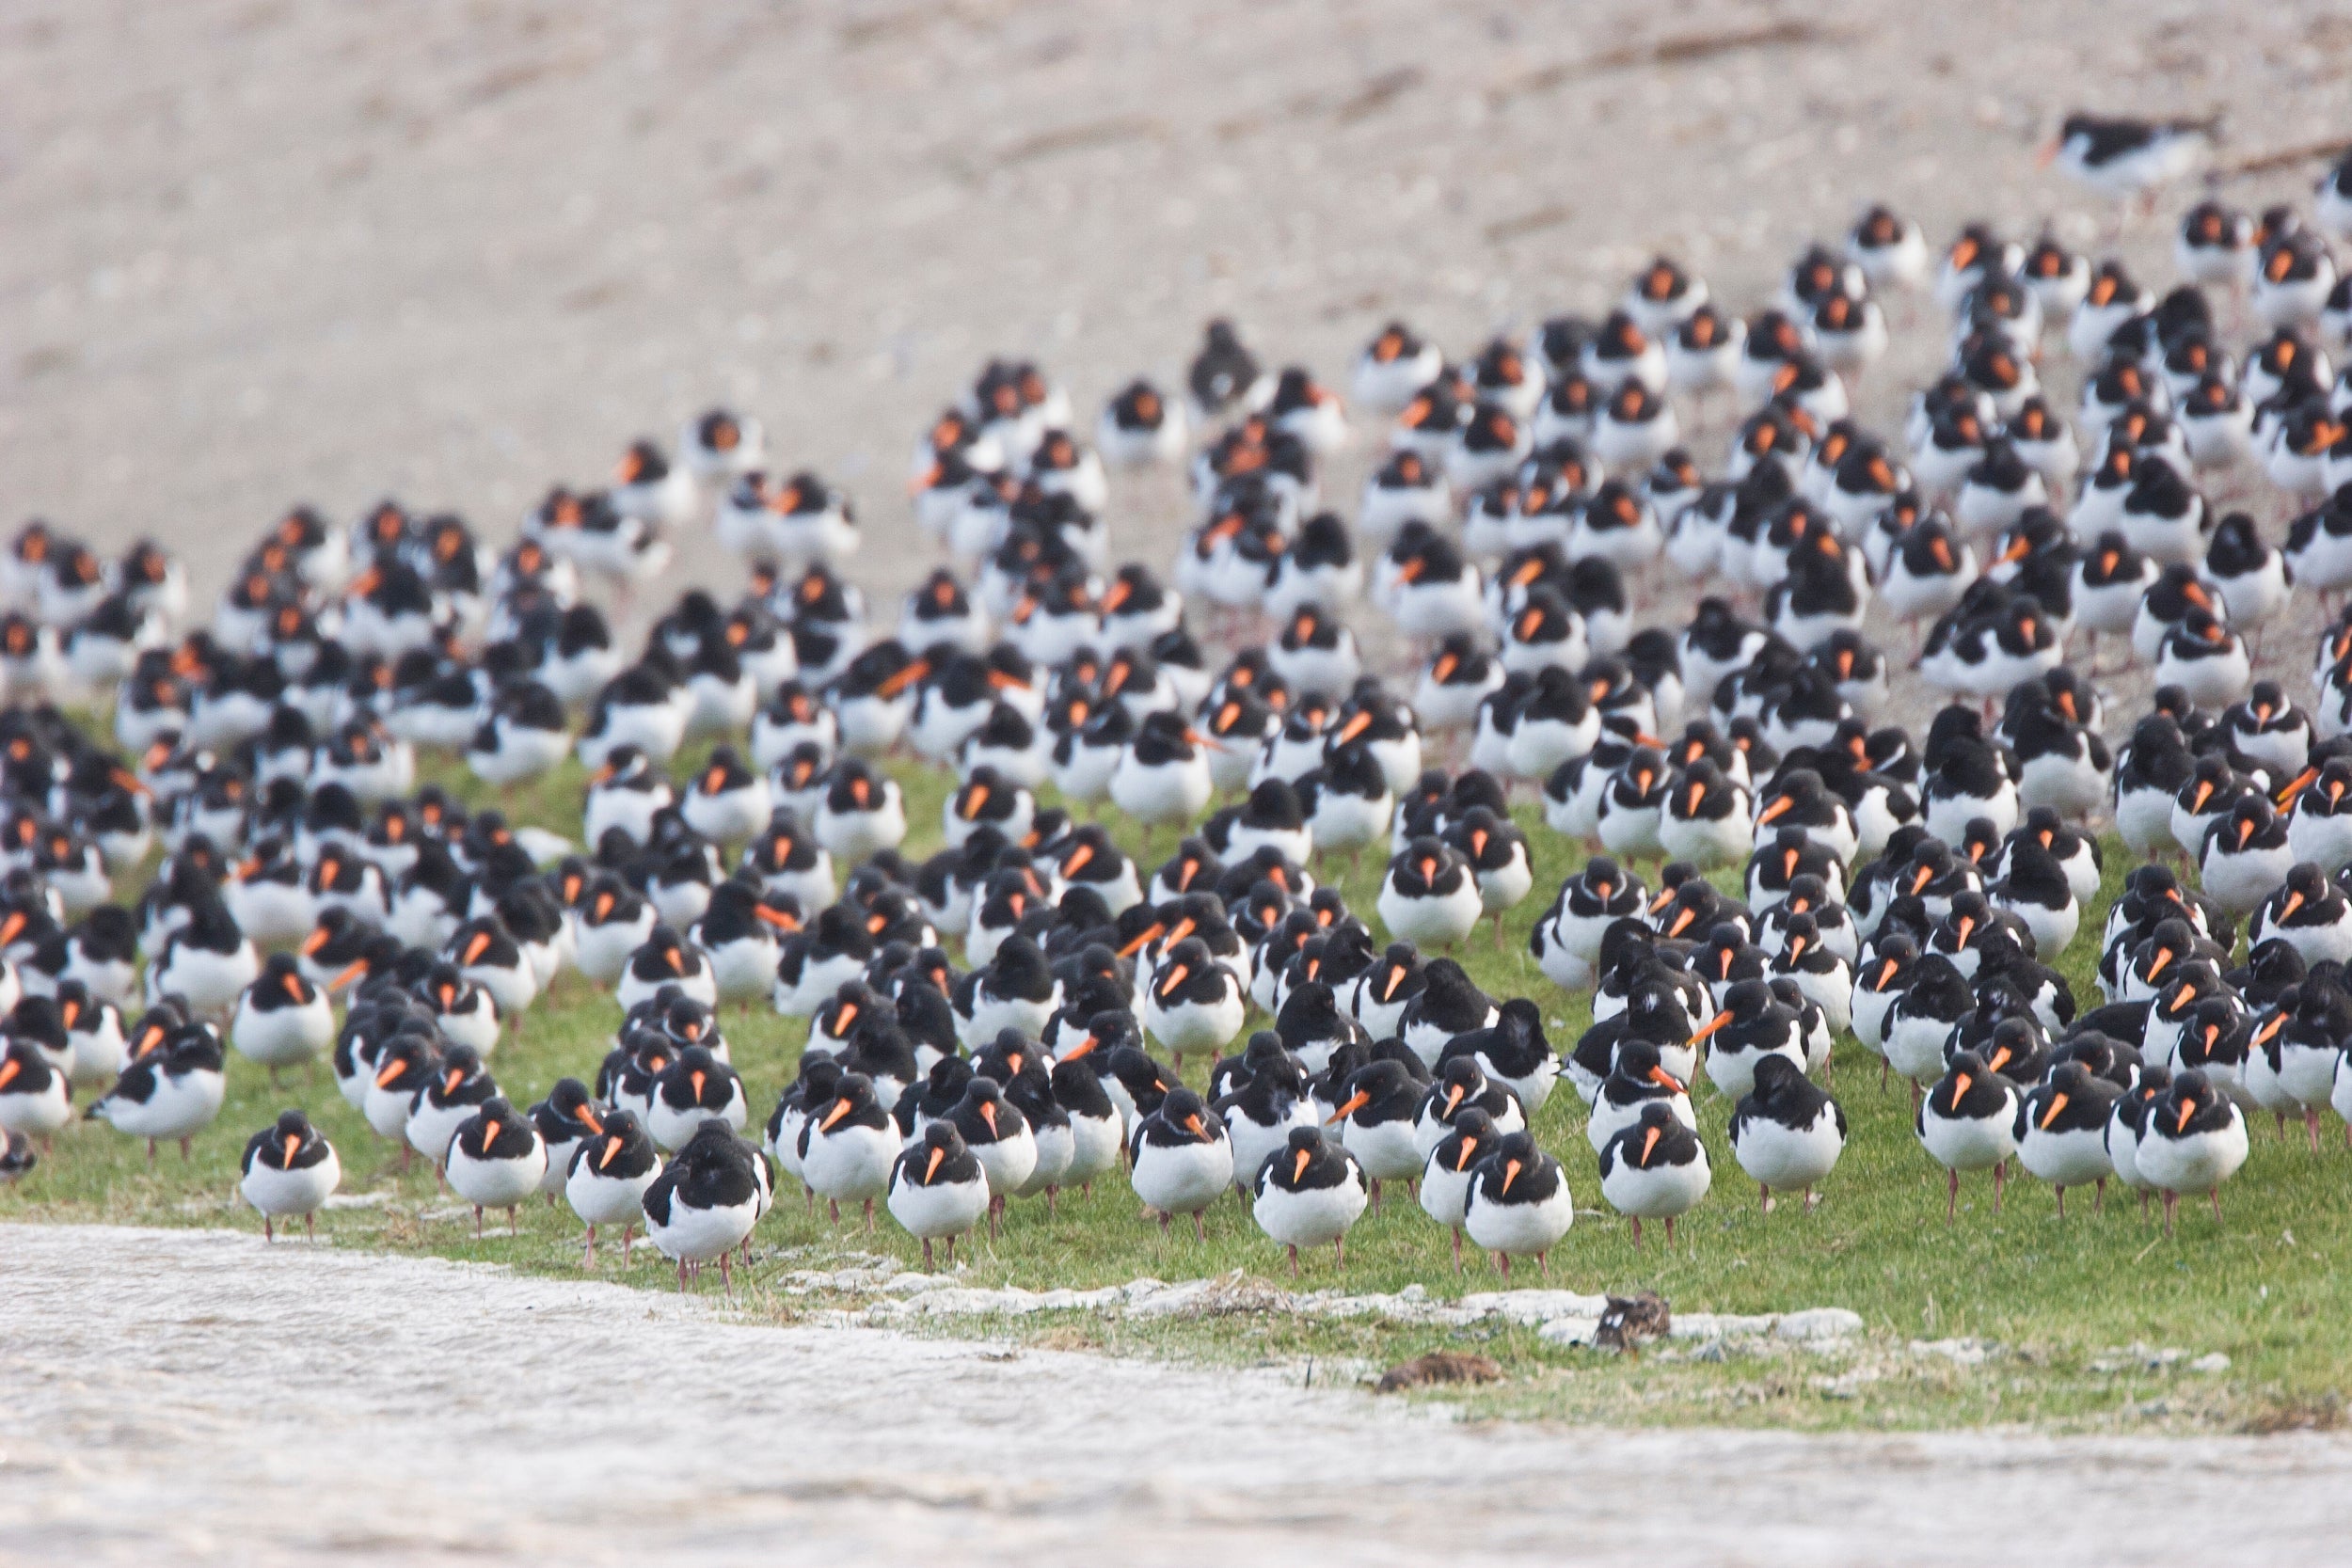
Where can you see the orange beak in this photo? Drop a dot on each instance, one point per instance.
(1349, 1107)
(1709, 1027)
(904, 679)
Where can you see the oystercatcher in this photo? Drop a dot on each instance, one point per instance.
(1654, 1168)
(1309, 1193)
(289, 1169)
(1968, 1121)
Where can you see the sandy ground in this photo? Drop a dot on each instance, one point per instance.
(262, 251)
(185, 1397)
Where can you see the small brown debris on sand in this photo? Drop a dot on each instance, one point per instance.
(1437, 1367)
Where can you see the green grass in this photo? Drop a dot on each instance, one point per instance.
(2269, 1287)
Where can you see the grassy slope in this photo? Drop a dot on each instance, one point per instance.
(2265, 1286)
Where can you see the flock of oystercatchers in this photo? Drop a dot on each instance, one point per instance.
(983, 1023)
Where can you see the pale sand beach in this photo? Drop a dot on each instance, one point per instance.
(190, 1397)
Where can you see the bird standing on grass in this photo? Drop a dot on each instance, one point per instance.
(1967, 1122)
(1656, 1168)
(1309, 1192)
(289, 1170)
(1519, 1204)
(704, 1203)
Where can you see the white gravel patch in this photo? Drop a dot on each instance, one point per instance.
(1562, 1317)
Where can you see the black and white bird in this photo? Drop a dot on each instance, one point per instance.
(704, 1202)
(1430, 895)
(1450, 1168)
(607, 1175)
(1786, 1132)
(1194, 1002)
(695, 1088)
(496, 1160)
(2064, 1138)
(1309, 1193)
(1461, 1086)
(937, 1189)
(848, 1148)
(1000, 1137)
(208, 961)
(458, 1088)
(1968, 1121)
(1377, 1123)
(1751, 1025)
(171, 1093)
(2129, 158)
(1654, 1168)
(282, 1019)
(2192, 1140)
(1180, 1159)
(566, 1119)
(1519, 1204)
(289, 1169)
